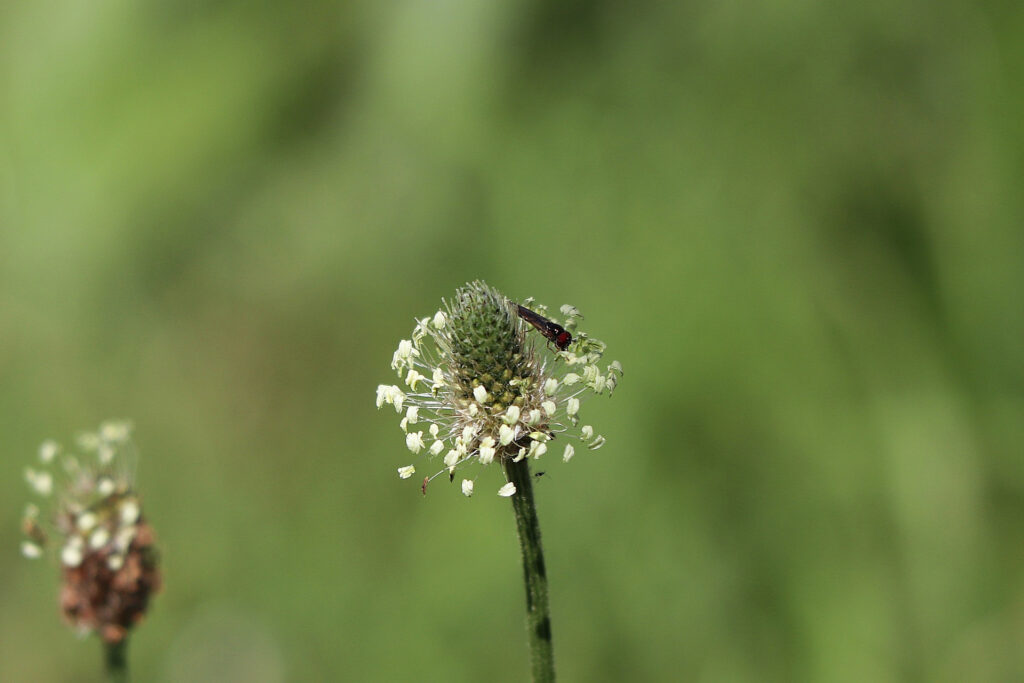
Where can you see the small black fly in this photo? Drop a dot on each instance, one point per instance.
(552, 331)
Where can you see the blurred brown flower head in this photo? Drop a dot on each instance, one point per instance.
(91, 518)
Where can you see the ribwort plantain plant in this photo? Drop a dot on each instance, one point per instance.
(90, 517)
(480, 389)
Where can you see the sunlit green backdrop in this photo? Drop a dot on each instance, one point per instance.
(799, 226)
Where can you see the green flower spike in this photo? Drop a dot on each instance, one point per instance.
(479, 390)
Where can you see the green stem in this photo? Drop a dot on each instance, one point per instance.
(115, 657)
(538, 614)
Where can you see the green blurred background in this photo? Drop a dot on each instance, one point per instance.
(798, 225)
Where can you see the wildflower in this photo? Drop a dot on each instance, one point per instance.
(94, 524)
(489, 388)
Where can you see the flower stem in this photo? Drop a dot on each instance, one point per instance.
(538, 615)
(115, 657)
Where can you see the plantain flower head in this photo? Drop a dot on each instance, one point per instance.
(89, 516)
(486, 379)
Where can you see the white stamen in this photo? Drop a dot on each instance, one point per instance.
(124, 538)
(99, 538)
(86, 521)
(41, 482)
(71, 555)
(572, 406)
(403, 356)
(414, 441)
(130, 511)
(390, 394)
(115, 430)
(105, 486)
(48, 451)
(413, 378)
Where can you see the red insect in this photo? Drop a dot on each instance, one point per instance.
(552, 331)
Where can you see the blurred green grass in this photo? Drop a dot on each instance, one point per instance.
(798, 226)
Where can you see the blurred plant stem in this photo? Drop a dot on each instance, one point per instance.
(115, 656)
(538, 617)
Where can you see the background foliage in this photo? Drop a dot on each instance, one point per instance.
(798, 226)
